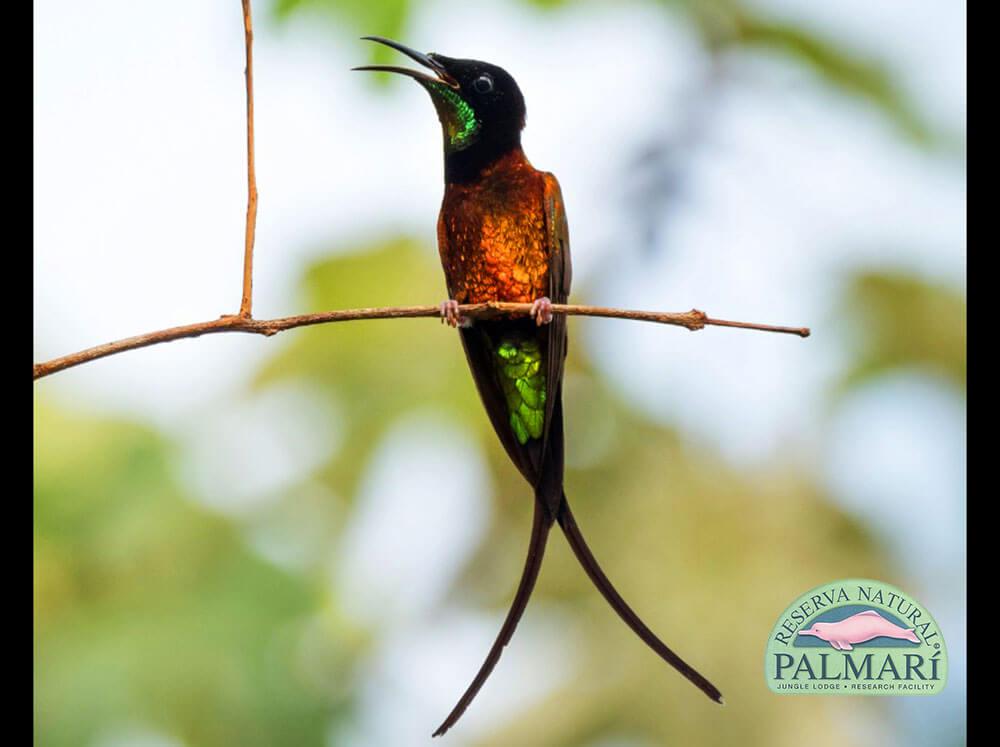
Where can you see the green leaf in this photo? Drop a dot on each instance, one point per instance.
(853, 74)
(895, 320)
(357, 17)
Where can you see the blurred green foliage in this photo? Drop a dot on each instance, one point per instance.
(892, 321)
(148, 608)
(853, 74)
(724, 26)
(359, 364)
(382, 18)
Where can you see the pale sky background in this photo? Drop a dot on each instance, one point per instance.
(139, 212)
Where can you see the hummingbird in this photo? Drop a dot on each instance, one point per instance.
(503, 236)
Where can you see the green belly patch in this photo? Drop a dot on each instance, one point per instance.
(519, 363)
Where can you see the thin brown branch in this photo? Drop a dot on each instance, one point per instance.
(246, 304)
(692, 320)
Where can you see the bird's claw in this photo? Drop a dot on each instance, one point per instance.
(541, 311)
(449, 313)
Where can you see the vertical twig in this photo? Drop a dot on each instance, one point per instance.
(247, 302)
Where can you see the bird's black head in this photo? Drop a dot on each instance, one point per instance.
(480, 107)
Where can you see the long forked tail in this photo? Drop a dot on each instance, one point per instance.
(593, 569)
(532, 564)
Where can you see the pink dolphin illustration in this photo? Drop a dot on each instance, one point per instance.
(857, 629)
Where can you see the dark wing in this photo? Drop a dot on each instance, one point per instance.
(560, 277)
(555, 342)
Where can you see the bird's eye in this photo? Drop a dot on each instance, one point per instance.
(482, 84)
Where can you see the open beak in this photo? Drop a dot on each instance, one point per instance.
(427, 60)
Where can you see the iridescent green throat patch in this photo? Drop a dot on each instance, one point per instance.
(457, 116)
(519, 363)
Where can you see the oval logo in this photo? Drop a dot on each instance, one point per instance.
(856, 637)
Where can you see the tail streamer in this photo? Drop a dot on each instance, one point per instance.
(604, 585)
(532, 564)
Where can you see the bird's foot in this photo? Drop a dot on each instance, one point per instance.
(541, 310)
(449, 313)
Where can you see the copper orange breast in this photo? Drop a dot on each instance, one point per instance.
(492, 235)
